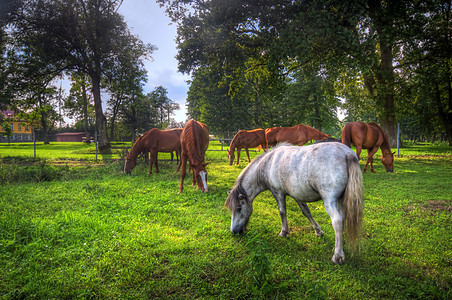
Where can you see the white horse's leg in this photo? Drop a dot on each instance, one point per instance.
(307, 213)
(336, 220)
(281, 201)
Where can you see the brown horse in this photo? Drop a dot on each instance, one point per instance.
(194, 141)
(246, 139)
(295, 135)
(371, 137)
(153, 141)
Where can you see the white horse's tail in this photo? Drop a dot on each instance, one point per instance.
(353, 200)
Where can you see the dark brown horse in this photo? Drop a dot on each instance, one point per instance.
(153, 141)
(295, 135)
(194, 141)
(246, 139)
(371, 137)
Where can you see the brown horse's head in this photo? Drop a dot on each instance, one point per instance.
(231, 156)
(130, 163)
(200, 173)
(314, 134)
(388, 161)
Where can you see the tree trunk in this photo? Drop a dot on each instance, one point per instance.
(384, 73)
(85, 113)
(446, 115)
(386, 94)
(115, 110)
(101, 120)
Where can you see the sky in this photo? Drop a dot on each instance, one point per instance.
(148, 20)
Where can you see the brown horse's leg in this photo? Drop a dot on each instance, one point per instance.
(238, 156)
(194, 178)
(156, 158)
(150, 163)
(358, 150)
(370, 154)
(179, 161)
(183, 165)
(248, 154)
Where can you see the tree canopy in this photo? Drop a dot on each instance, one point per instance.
(358, 47)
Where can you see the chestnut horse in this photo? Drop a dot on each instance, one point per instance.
(194, 141)
(371, 137)
(246, 139)
(295, 135)
(153, 141)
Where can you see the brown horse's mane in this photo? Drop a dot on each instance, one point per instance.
(138, 146)
(234, 140)
(191, 143)
(232, 200)
(385, 145)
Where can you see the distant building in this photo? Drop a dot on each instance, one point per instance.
(21, 130)
(71, 137)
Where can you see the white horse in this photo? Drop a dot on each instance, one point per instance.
(327, 171)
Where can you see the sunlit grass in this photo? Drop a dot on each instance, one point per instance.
(93, 232)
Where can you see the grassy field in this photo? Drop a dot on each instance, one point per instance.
(71, 227)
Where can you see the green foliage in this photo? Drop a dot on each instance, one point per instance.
(94, 232)
(366, 50)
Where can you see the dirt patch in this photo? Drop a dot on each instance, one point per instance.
(432, 206)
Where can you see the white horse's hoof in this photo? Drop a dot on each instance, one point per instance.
(284, 234)
(338, 259)
(319, 233)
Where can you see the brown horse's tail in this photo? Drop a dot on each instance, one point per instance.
(353, 200)
(347, 135)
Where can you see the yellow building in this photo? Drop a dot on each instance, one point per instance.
(21, 131)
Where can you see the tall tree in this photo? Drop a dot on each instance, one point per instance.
(78, 101)
(162, 104)
(82, 35)
(429, 56)
(362, 36)
(139, 113)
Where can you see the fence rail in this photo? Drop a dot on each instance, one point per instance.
(222, 142)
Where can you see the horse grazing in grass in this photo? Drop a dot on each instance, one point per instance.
(194, 141)
(153, 141)
(295, 135)
(246, 139)
(325, 171)
(371, 137)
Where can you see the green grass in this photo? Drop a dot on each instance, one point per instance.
(89, 231)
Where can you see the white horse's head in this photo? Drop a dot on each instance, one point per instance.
(240, 207)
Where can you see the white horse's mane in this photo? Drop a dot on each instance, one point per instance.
(257, 159)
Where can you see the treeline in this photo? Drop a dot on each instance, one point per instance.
(88, 42)
(253, 64)
(278, 63)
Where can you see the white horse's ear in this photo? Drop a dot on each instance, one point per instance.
(228, 191)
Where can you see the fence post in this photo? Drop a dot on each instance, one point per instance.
(95, 141)
(34, 142)
(398, 139)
